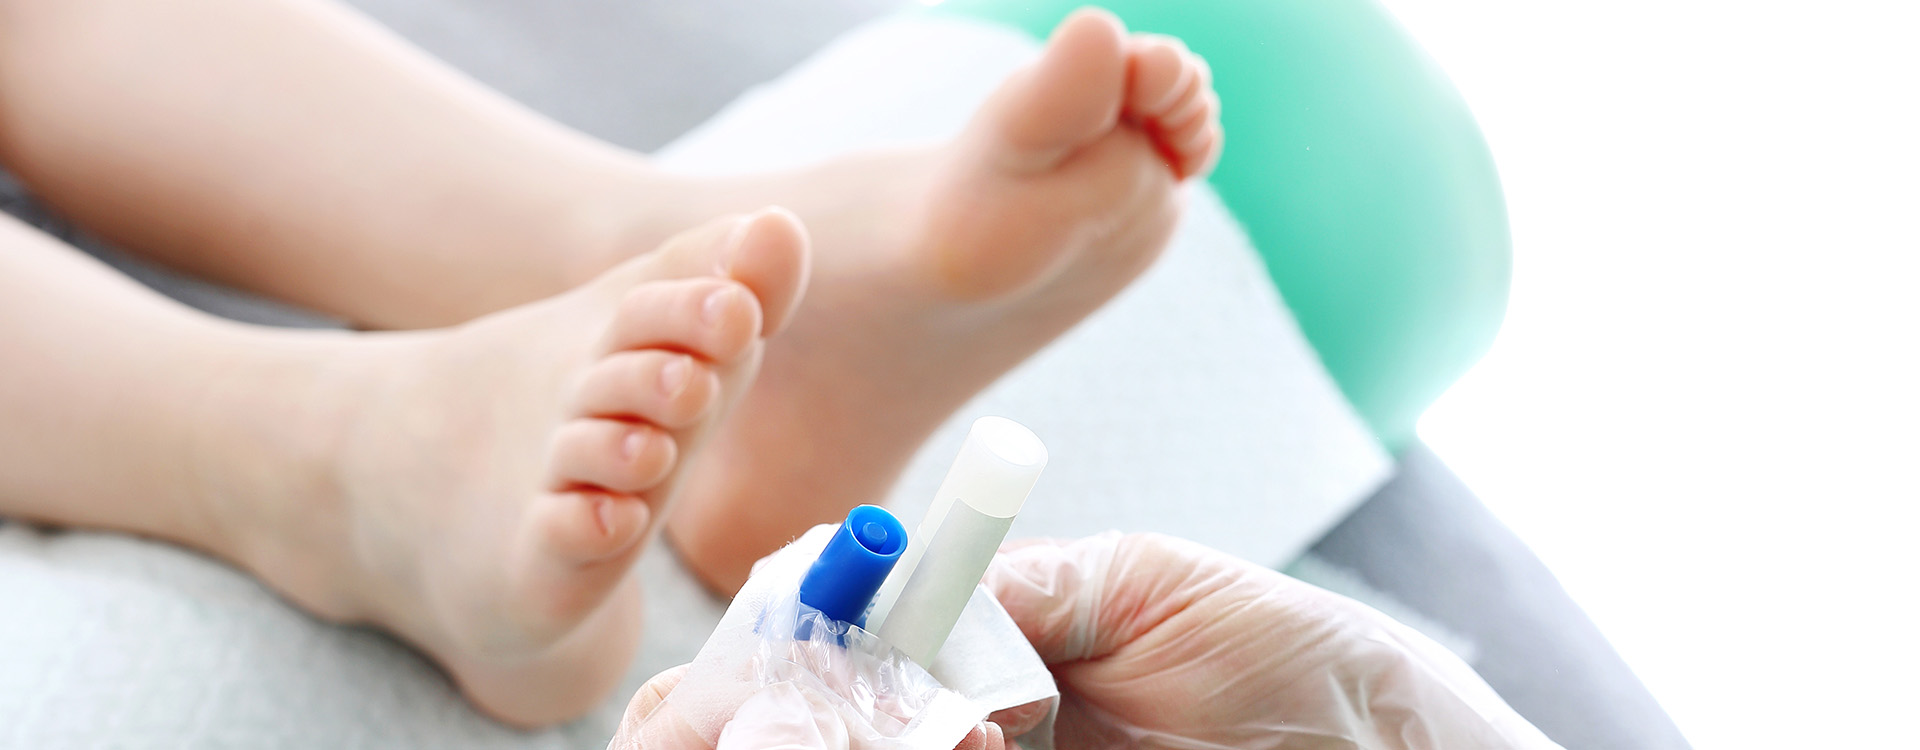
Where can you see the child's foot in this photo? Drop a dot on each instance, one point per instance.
(940, 270)
(492, 483)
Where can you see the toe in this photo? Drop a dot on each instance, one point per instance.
(1183, 134)
(585, 526)
(700, 251)
(1197, 106)
(715, 319)
(767, 251)
(618, 456)
(1201, 158)
(665, 388)
(1157, 77)
(1071, 96)
(1171, 97)
(772, 259)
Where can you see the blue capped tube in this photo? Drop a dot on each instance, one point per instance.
(842, 581)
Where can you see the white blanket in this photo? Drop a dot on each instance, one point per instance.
(1191, 405)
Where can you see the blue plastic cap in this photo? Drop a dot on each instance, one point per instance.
(842, 581)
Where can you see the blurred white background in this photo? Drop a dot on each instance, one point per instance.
(1702, 410)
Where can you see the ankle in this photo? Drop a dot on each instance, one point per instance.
(265, 458)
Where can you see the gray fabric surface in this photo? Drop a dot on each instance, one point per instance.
(1425, 540)
(636, 73)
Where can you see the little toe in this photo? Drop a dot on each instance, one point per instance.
(716, 319)
(584, 526)
(665, 388)
(1200, 158)
(619, 456)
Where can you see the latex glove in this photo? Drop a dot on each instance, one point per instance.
(1160, 642)
(778, 717)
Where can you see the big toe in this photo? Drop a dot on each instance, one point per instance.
(767, 251)
(772, 258)
(1069, 97)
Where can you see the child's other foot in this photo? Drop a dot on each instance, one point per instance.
(493, 483)
(941, 270)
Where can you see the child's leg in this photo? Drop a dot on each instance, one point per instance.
(293, 148)
(480, 491)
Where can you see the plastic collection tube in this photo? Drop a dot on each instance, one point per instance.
(842, 581)
(946, 557)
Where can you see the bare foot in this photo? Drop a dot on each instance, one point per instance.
(489, 486)
(942, 269)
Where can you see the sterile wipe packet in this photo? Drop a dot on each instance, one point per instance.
(769, 641)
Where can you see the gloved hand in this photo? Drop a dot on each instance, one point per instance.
(1159, 642)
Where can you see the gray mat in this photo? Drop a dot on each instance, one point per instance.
(1425, 540)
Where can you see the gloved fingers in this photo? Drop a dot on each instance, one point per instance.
(1083, 725)
(1053, 589)
(1022, 719)
(781, 717)
(655, 691)
(652, 722)
(1086, 598)
(1256, 659)
(985, 736)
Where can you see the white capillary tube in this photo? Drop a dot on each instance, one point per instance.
(948, 555)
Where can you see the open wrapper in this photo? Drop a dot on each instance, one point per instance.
(769, 641)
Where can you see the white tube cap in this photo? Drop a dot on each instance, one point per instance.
(997, 466)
